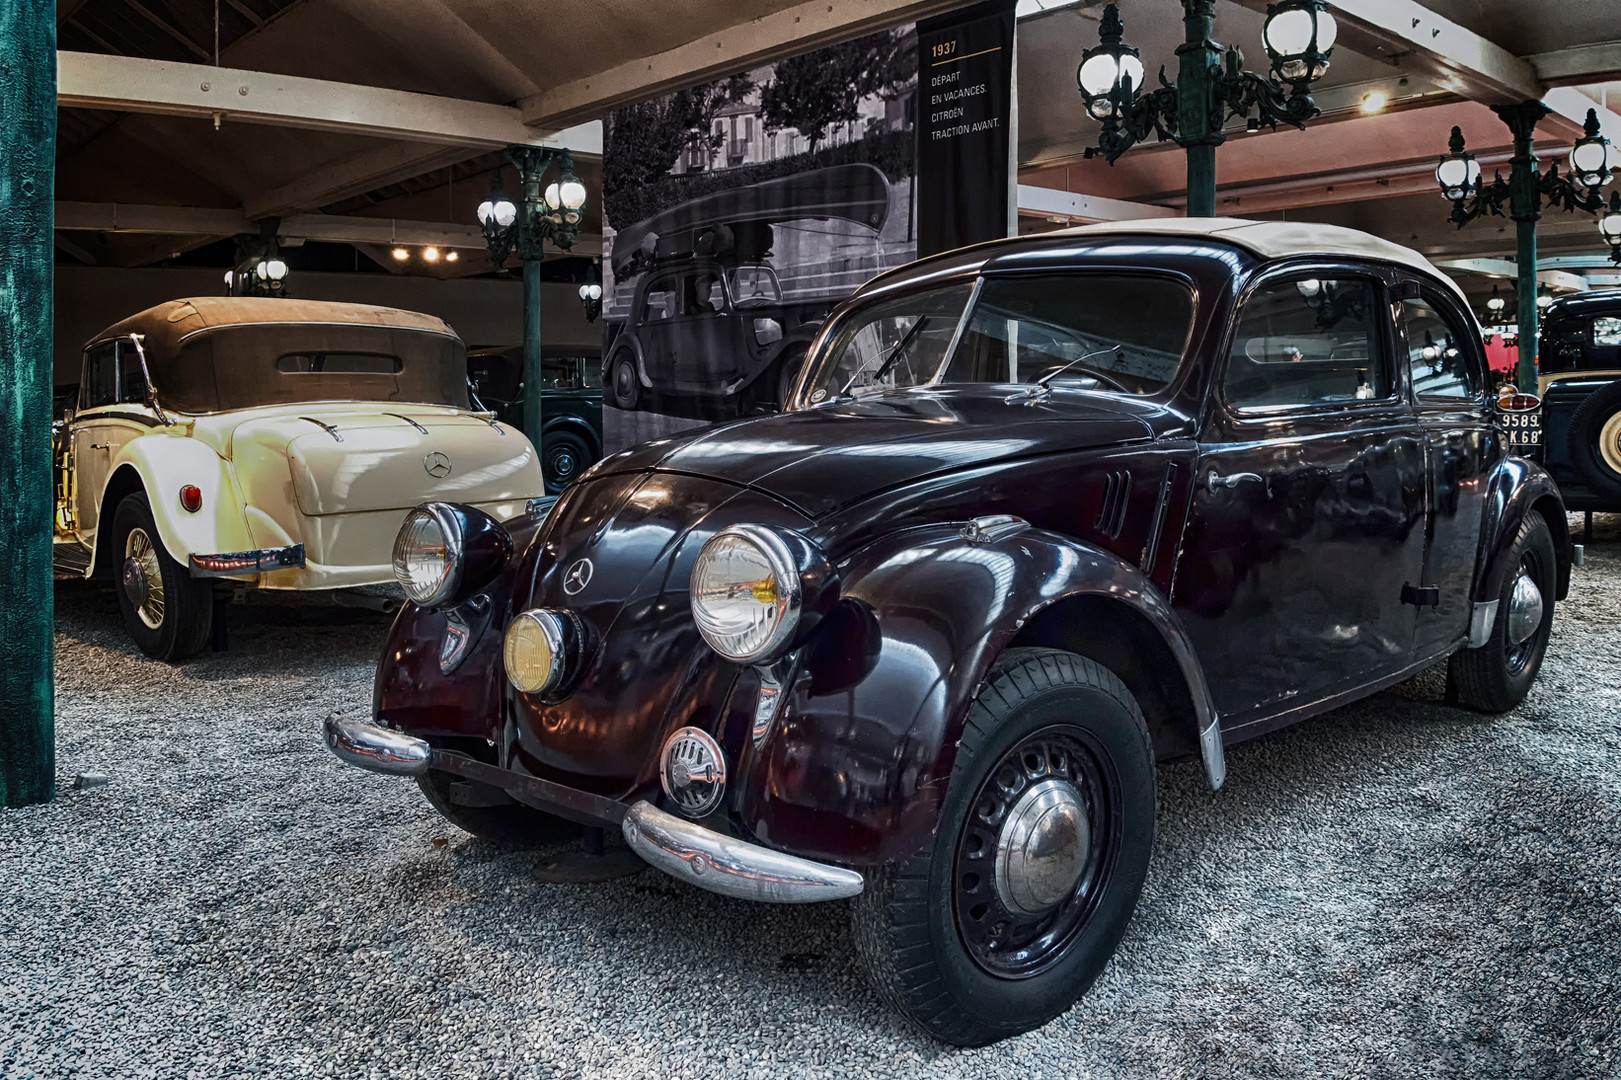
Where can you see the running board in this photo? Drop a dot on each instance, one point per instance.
(69, 558)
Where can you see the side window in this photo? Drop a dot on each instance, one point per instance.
(1308, 341)
(100, 383)
(131, 382)
(703, 293)
(1607, 331)
(659, 302)
(1438, 356)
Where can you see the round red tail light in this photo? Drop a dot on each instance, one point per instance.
(191, 497)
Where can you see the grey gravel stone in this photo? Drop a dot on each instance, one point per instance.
(1398, 889)
(86, 780)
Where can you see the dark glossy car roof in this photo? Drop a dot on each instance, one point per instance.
(1588, 303)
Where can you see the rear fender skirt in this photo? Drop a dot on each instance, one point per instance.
(855, 767)
(161, 465)
(1512, 489)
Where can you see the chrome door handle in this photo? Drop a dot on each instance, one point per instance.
(1216, 480)
(100, 446)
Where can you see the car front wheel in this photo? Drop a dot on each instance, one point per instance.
(168, 612)
(1043, 843)
(563, 456)
(1496, 677)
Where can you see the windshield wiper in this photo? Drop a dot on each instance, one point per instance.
(889, 361)
(1043, 386)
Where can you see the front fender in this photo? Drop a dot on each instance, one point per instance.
(1515, 487)
(855, 770)
(162, 464)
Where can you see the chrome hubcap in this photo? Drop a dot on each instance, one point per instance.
(1043, 846)
(1524, 609)
(143, 578)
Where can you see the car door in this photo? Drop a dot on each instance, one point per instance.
(1446, 370)
(92, 434)
(1307, 518)
(709, 353)
(656, 330)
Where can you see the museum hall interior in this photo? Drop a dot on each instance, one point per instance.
(762, 539)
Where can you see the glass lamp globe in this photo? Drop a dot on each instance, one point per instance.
(1609, 226)
(552, 199)
(1495, 304)
(585, 292)
(262, 270)
(228, 278)
(275, 269)
(596, 291)
(1457, 175)
(1589, 161)
(505, 213)
(1298, 36)
(1544, 299)
(486, 210)
(572, 192)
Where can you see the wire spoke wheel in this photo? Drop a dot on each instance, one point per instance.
(143, 577)
(1036, 852)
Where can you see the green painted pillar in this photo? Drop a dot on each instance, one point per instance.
(1199, 116)
(27, 615)
(1525, 207)
(532, 374)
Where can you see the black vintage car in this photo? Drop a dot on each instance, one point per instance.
(1579, 377)
(708, 319)
(1043, 512)
(571, 392)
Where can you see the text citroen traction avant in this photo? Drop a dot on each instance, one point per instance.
(269, 442)
(1044, 512)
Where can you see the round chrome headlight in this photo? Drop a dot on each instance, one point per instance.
(534, 651)
(746, 593)
(428, 554)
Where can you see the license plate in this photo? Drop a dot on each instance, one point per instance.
(1524, 431)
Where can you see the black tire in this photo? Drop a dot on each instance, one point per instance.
(1496, 677)
(915, 923)
(509, 824)
(564, 455)
(1593, 454)
(624, 385)
(174, 620)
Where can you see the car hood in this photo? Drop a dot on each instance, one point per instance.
(818, 460)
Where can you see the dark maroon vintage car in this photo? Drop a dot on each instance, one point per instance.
(1043, 512)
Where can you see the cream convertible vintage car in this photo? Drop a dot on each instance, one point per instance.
(269, 442)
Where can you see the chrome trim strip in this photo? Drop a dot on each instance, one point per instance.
(731, 867)
(989, 528)
(1213, 754)
(1578, 554)
(233, 563)
(379, 750)
(1481, 619)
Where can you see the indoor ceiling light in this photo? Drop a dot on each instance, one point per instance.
(430, 254)
(400, 254)
(1374, 101)
(451, 256)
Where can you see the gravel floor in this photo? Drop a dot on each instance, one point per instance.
(1399, 889)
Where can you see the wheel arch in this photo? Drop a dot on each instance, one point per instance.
(160, 471)
(1516, 487)
(575, 426)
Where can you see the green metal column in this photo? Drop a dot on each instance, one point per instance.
(532, 374)
(1525, 207)
(27, 615)
(1198, 121)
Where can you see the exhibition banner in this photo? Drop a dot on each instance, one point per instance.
(965, 88)
(739, 213)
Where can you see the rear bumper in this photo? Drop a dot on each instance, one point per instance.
(683, 849)
(238, 563)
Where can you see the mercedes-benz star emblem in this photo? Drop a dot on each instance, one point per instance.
(578, 576)
(437, 464)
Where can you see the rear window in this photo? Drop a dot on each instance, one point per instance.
(339, 364)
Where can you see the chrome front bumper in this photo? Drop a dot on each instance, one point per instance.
(681, 848)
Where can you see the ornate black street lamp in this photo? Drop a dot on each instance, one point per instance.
(1211, 86)
(554, 214)
(1609, 227)
(591, 300)
(1525, 192)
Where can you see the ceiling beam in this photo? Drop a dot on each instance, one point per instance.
(1411, 36)
(1079, 209)
(1508, 268)
(1572, 104)
(330, 228)
(363, 171)
(788, 32)
(1578, 64)
(133, 84)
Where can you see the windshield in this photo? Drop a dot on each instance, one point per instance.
(1122, 333)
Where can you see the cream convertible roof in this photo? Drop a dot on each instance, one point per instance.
(167, 324)
(1274, 239)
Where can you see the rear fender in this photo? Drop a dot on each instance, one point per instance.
(161, 465)
(1515, 487)
(855, 768)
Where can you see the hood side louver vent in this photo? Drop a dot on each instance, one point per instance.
(1116, 497)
